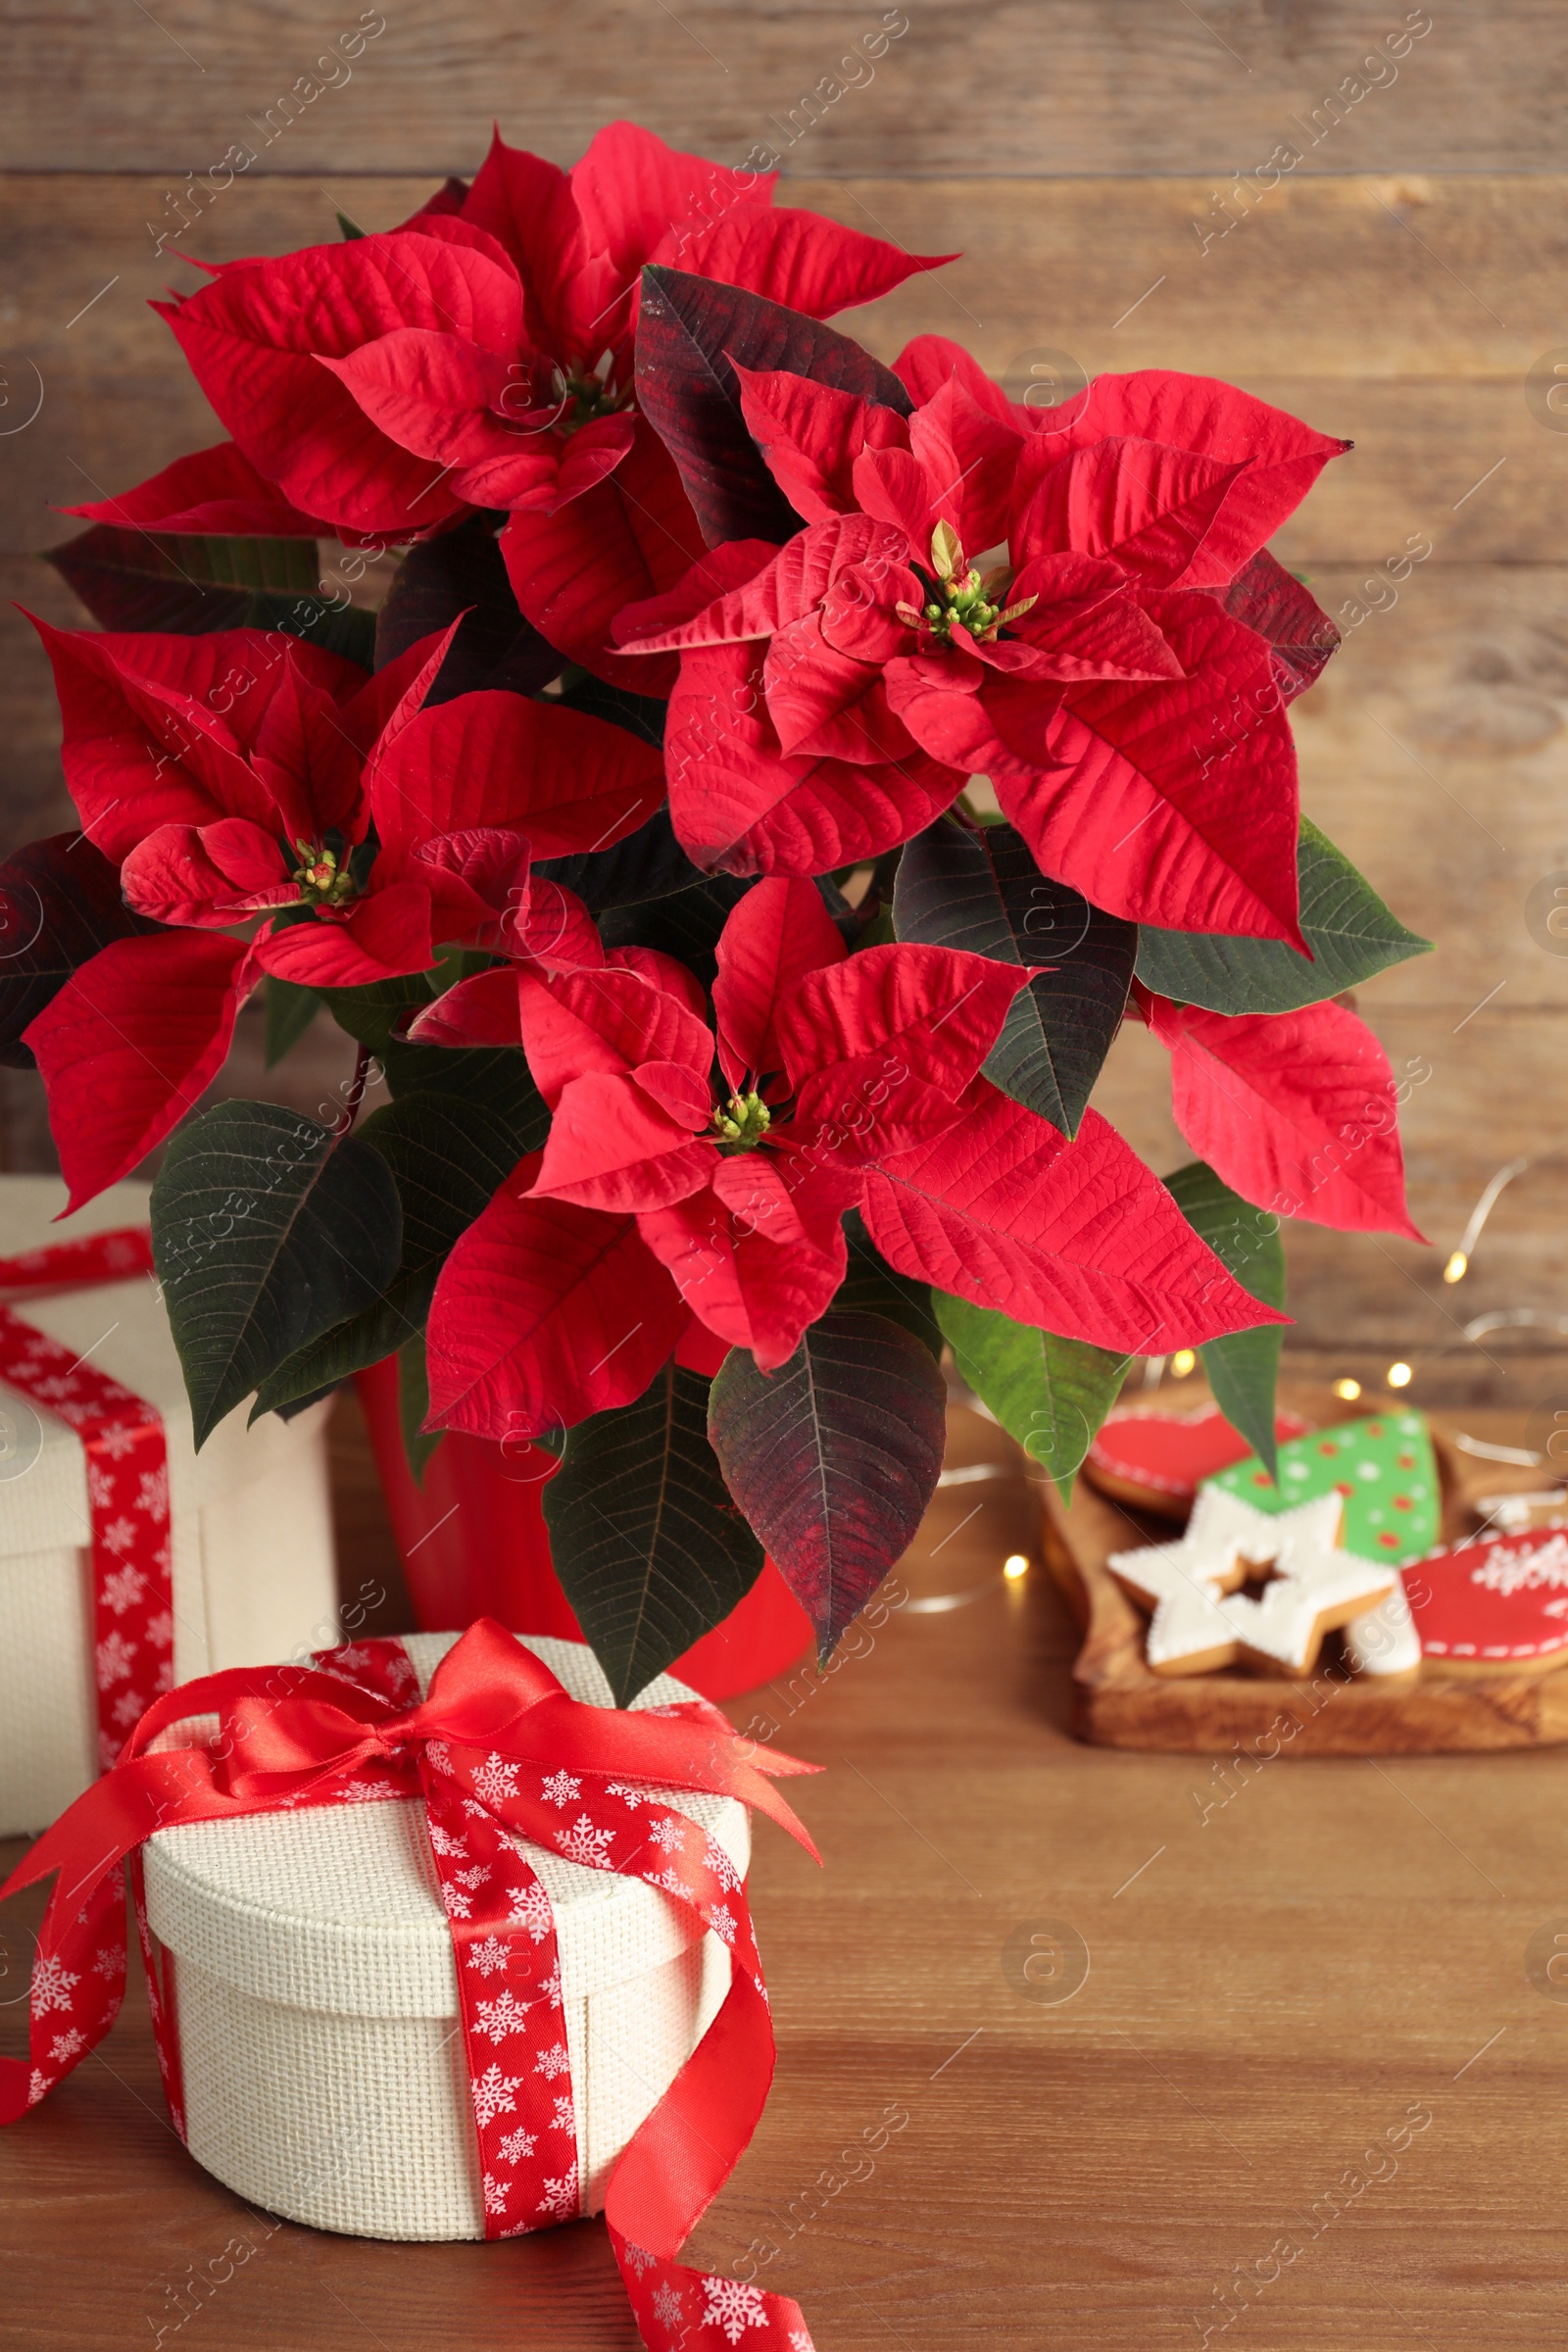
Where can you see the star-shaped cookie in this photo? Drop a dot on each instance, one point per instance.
(1202, 1618)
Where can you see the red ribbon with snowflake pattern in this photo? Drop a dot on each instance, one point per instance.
(497, 1747)
(127, 1475)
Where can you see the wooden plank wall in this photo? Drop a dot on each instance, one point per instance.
(1397, 282)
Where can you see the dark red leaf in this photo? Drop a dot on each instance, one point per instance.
(463, 571)
(688, 331)
(134, 579)
(833, 1457)
(1267, 598)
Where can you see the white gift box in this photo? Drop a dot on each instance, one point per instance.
(316, 1995)
(252, 1526)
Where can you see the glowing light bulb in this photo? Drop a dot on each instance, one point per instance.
(1348, 1390)
(1399, 1376)
(1456, 1268)
(1015, 1566)
(1182, 1362)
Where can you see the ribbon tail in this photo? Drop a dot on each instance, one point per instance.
(669, 2301)
(79, 1981)
(78, 1970)
(682, 2157)
(676, 2166)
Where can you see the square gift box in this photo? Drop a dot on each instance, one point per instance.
(315, 1997)
(251, 1530)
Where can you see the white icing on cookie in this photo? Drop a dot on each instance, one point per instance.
(1385, 1640)
(1202, 1619)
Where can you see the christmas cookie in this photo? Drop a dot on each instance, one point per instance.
(1515, 1514)
(1382, 1470)
(1385, 1640)
(1502, 1602)
(1248, 1586)
(1155, 1459)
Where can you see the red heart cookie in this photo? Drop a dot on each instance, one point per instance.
(1156, 1459)
(1503, 1601)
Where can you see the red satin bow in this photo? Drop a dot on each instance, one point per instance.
(497, 1745)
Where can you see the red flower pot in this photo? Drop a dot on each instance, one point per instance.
(474, 1544)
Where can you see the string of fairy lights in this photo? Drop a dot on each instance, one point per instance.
(1401, 1372)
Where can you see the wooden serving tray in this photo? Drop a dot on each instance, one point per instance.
(1117, 1702)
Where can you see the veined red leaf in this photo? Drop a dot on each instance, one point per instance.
(1294, 1110)
(630, 537)
(214, 490)
(1282, 457)
(1180, 793)
(933, 1012)
(611, 1020)
(776, 588)
(128, 1045)
(1079, 1237)
(1152, 509)
(496, 759)
(780, 931)
(741, 806)
(805, 262)
(254, 336)
(811, 432)
(543, 1314)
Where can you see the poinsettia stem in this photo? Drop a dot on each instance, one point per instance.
(357, 1087)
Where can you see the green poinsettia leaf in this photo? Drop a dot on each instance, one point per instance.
(290, 1011)
(447, 1158)
(370, 1014)
(1050, 1394)
(137, 580)
(268, 1229)
(983, 892)
(871, 1287)
(646, 1539)
(685, 923)
(496, 1077)
(414, 1407)
(1243, 1368)
(1350, 932)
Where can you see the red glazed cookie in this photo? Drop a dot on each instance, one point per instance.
(1502, 1602)
(1155, 1459)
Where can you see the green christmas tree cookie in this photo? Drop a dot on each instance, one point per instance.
(1382, 1467)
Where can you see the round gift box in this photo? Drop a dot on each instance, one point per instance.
(316, 1995)
(241, 1597)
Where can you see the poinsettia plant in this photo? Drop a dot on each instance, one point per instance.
(769, 783)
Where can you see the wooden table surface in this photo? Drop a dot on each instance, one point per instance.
(1105, 166)
(1156, 2050)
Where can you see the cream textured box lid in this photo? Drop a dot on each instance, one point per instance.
(337, 1909)
(124, 1330)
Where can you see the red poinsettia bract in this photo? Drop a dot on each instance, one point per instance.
(1297, 1111)
(244, 781)
(482, 356)
(693, 1174)
(835, 693)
